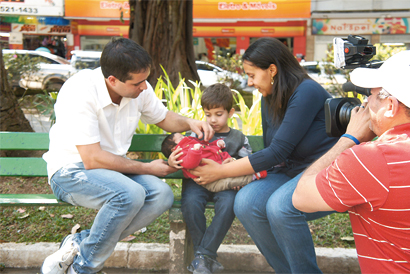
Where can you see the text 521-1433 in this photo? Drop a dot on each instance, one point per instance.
(23, 10)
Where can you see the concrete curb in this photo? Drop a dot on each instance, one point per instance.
(241, 258)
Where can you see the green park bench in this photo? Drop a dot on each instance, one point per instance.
(180, 249)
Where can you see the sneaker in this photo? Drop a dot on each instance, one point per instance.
(59, 261)
(215, 265)
(200, 265)
(71, 270)
(260, 175)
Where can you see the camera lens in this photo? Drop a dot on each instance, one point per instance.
(345, 113)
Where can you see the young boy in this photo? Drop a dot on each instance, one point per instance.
(194, 150)
(217, 101)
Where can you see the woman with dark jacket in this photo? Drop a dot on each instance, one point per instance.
(293, 122)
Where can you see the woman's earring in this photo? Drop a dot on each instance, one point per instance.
(272, 81)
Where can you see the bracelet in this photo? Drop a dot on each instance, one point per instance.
(351, 138)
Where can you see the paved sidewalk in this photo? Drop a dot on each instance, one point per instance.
(137, 258)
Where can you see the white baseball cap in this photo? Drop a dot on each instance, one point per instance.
(393, 75)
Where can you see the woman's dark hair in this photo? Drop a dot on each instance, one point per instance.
(168, 144)
(217, 95)
(266, 51)
(122, 56)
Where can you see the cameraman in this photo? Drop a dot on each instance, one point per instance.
(371, 180)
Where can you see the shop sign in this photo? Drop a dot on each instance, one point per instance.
(39, 28)
(360, 26)
(253, 31)
(16, 38)
(50, 29)
(97, 9)
(24, 28)
(32, 7)
(104, 30)
(251, 9)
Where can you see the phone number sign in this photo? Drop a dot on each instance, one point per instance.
(32, 7)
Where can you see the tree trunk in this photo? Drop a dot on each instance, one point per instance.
(11, 116)
(164, 29)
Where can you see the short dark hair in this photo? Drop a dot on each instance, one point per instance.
(217, 95)
(122, 56)
(168, 144)
(406, 109)
(290, 74)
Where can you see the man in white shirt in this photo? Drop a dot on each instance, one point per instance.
(97, 113)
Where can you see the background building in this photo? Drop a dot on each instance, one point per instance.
(220, 27)
(35, 23)
(380, 21)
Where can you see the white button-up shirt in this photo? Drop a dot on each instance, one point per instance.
(86, 115)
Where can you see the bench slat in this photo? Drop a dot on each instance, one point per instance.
(147, 142)
(140, 142)
(24, 141)
(37, 167)
(30, 200)
(51, 200)
(33, 167)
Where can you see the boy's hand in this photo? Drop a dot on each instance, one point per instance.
(173, 158)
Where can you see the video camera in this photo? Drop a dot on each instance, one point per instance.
(350, 53)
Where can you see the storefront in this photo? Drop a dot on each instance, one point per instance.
(219, 27)
(96, 22)
(230, 27)
(37, 24)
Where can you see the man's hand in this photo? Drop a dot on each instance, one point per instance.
(306, 196)
(359, 124)
(95, 157)
(174, 122)
(160, 168)
(202, 129)
(173, 158)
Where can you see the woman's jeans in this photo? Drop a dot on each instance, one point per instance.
(126, 204)
(278, 229)
(194, 198)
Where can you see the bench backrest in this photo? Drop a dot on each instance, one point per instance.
(36, 167)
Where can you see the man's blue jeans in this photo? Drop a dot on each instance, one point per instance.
(126, 204)
(278, 229)
(194, 198)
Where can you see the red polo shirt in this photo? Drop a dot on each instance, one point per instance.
(372, 182)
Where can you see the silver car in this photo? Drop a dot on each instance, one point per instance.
(210, 74)
(53, 71)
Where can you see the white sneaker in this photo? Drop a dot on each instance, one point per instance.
(59, 261)
(71, 270)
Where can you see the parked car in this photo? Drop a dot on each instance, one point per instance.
(210, 74)
(316, 70)
(83, 59)
(53, 72)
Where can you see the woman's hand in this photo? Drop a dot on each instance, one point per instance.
(207, 172)
(173, 158)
